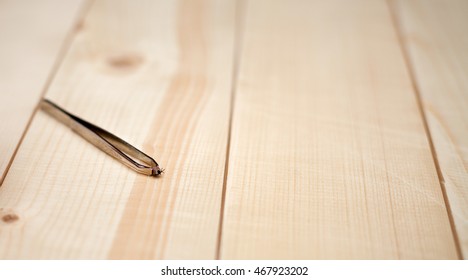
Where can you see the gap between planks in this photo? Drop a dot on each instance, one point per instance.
(406, 57)
(239, 28)
(85, 7)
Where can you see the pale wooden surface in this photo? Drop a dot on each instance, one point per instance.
(32, 34)
(436, 35)
(310, 105)
(328, 138)
(158, 75)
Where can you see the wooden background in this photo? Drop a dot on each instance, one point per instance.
(301, 129)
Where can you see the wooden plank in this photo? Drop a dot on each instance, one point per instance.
(158, 74)
(435, 34)
(32, 34)
(329, 156)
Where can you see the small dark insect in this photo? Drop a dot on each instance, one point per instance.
(157, 171)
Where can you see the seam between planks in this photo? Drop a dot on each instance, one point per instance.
(57, 63)
(407, 60)
(239, 17)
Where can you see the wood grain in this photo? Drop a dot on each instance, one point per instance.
(436, 38)
(158, 74)
(329, 157)
(32, 34)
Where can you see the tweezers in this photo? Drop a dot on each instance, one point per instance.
(104, 140)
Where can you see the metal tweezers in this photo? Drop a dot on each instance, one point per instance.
(104, 140)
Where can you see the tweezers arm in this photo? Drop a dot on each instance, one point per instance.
(104, 140)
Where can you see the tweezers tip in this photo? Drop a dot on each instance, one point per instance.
(156, 171)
